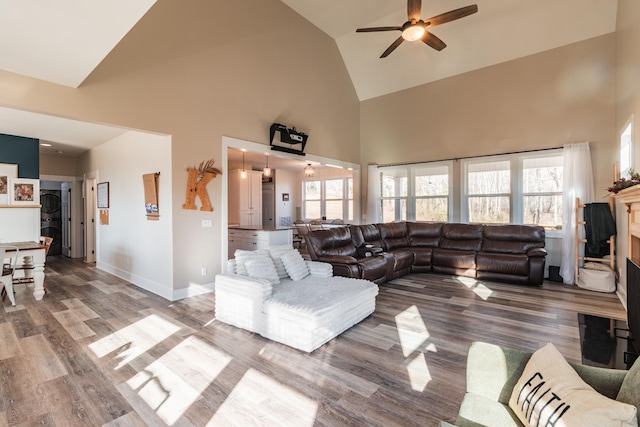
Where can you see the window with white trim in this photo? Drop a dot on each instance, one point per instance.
(626, 150)
(329, 198)
(418, 192)
(523, 188)
(488, 191)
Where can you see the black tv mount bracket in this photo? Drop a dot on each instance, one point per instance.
(288, 136)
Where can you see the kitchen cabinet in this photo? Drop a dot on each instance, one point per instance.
(250, 239)
(245, 198)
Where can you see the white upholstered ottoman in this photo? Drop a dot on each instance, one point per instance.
(303, 314)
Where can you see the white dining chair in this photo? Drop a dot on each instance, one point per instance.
(8, 268)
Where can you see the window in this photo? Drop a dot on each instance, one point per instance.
(416, 192)
(523, 188)
(626, 150)
(542, 191)
(312, 199)
(489, 192)
(432, 193)
(329, 198)
(394, 187)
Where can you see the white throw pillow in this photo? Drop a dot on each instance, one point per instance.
(550, 392)
(243, 256)
(262, 267)
(294, 264)
(276, 252)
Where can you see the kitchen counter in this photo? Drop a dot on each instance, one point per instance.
(252, 238)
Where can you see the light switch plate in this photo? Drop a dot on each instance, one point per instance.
(207, 223)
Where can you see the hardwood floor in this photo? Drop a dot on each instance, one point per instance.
(99, 351)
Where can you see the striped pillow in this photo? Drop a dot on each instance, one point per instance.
(294, 264)
(262, 267)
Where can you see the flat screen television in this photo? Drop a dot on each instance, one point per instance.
(633, 304)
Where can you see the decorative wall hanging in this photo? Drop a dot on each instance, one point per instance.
(197, 185)
(24, 191)
(103, 195)
(7, 172)
(289, 136)
(150, 183)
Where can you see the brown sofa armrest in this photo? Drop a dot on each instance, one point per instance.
(362, 251)
(537, 252)
(342, 259)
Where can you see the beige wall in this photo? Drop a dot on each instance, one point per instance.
(57, 165)
(191, 70)
(545, 100)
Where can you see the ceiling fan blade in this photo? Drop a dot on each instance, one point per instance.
(374, 29)
(433, 41)
(391, 48)
(451, 15)
(413, 10)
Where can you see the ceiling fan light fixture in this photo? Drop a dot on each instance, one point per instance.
(413, 32)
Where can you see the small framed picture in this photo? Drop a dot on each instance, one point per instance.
(103, 195)
(7, 171)
(285, 197)
(24, 191)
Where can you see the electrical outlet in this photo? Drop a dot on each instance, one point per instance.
(207, 223)
(203, 271)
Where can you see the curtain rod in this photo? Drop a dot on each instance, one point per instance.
(468, 157)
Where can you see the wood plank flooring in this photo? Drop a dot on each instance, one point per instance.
(99, 351)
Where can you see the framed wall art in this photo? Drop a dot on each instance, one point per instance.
(24, 191)
(7, 172)
(103, 195)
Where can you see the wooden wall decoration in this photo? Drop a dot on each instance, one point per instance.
(197, 185)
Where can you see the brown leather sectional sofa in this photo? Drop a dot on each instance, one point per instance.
(382, 252)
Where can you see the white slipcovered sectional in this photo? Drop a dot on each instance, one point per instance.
(258, 293)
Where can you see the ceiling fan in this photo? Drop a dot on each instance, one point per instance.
(417, 29)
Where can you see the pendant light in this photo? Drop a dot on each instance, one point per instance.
(267, 170)
(243, 174)
(309, 170)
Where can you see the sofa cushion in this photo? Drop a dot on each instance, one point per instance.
(480, 411)
(424, 234)
(367, 234)
(421, 255)
(630, 389)
(512, 239)
(458, 260)
(294, 264)
(517, 265)
(242, 256)
(403, 259)
(394, 235)
(276, 252)
(332, 241)
(373, 268)
(550, 391)
(462, 237)
(262, 267)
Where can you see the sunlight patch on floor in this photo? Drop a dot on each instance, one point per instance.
(419, 374)
(258, 399)
(477, 287)
(135, 339)
(413, 334)
(411, 330)
(171, 384)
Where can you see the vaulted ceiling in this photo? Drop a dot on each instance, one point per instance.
(63, 41)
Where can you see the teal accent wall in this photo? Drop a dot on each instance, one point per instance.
(24, 152)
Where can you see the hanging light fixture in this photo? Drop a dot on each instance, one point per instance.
(309, 170)
(267, 170)
(243, 174)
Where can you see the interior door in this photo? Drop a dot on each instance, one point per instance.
(268, 205)
(65, 196)
(89, 220)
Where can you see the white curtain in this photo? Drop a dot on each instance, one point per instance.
(374, 213)
(577, 182)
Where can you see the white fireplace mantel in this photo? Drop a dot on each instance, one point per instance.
(631, 198)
